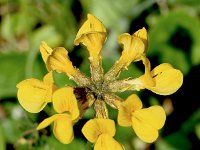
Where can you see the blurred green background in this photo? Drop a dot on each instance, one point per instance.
(174, 37)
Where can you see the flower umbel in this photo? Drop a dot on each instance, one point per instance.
(99, 90)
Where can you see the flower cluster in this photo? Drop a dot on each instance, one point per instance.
(70, 103)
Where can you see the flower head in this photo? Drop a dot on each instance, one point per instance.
(99, 90)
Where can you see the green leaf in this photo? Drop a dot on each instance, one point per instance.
(176, 57)
(166, 27)
(12, 66)
(53, 143)
(2, 139)
(12, 72)
(62, 80)
(124, 134)
(197, 130)
(178, 140)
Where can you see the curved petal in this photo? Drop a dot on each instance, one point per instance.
(45, 51)
(142, 34)
(133, 47)
(147, 78)
(92, 34)
(91, 25)
(146, 122)
(131, 104)
(160, 68)
(60, 61)
(63, 128)
(154, 115)
(144, 131)
(167, 79)
(106, 142)
(47, 122)
(33, 95)
(95, 127)
(64, 100)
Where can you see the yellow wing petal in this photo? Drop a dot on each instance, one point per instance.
(106, 142)
(63, 128)
(64, 100)
(142, 34)
(144, 131)
(47, 122)
(131, 104)
(32, 95)
(95, 127)
(146, 122)
(45, 51)
(167, 79)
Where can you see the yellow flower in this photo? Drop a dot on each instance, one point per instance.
(101, 132)
(145, 122)
(134, 45)
(34, 94)
(167, 80)
(65, 104)
(92, 34)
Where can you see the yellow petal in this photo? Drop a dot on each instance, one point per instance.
(160, 68)
(167, 79)
(45, 51)
(48, 78)
(32, 95)
(106, 142)
(142, 34)
(147, 78)
(63, 129)
(144, 131)
(146, 122)
(133, 47)
(59, 61)
(91, 25)
(95, 127)
(47, 122)
(92, 34)
(64, 100)
(131, 104)
(154, 115)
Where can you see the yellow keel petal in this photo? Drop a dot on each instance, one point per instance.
(95, 127)
(63, 129)
(64, 100)
(106, 142)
